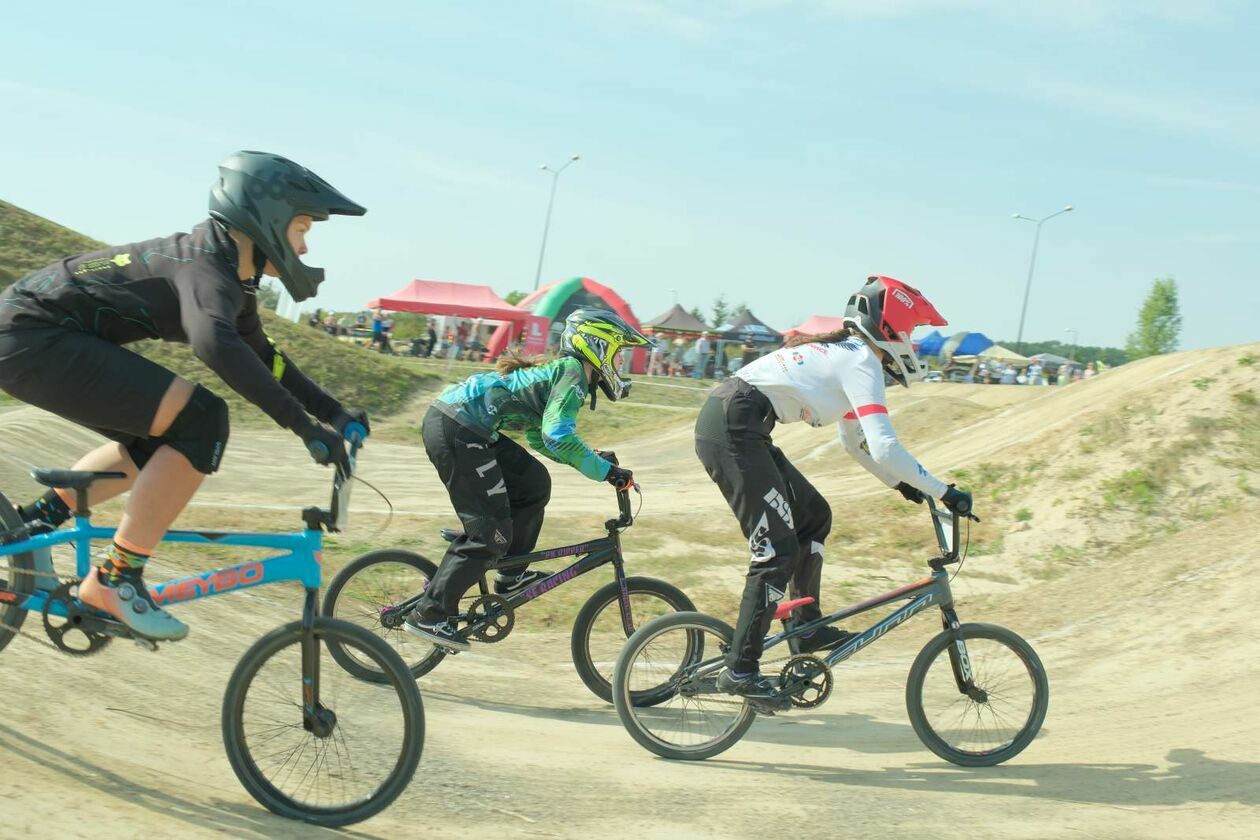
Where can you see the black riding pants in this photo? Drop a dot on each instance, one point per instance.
(498, 490)
(784, 518)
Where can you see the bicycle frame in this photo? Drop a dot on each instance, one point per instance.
(595, 553)
(300, 562)
(931, 591)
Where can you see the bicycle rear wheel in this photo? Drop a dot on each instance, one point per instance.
(16, 578)
(599, 634)
(995, 719)
(367, 593)
(367, 751)
(683, 652)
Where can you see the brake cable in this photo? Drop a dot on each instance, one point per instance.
(389, 517)
(966, 546)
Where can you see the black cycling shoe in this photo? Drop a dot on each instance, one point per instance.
(824, 638)
(440, 632)
(508, 584)
(753, 686)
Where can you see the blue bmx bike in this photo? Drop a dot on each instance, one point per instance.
(308, 742)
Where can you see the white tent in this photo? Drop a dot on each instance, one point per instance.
(997, 351)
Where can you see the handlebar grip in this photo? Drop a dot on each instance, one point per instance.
(356, 433)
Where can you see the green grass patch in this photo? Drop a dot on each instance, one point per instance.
(1246, 361)
(29, 242)
(1135, 488)
(1023, 515)
(1203, 382)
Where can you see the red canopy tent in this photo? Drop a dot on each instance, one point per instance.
(817, 325)
(464, 300)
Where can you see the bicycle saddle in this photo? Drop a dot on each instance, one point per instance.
(784, 610)
(71, 479)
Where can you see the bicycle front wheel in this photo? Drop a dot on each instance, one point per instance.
(679, 654)
(368, 592)
(349, 760)
(993, 719)
(17, 579)
(599, 633)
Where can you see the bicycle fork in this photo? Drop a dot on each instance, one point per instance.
(316, 719)
(959, 660)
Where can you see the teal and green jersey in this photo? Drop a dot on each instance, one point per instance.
(543, 402)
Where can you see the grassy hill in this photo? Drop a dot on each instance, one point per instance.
(28, 242)
(352, 374)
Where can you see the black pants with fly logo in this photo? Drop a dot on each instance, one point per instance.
(498, 490)
(784, 518)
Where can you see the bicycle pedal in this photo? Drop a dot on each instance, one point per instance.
(771, 706)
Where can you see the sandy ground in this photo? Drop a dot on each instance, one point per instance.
(1152, 659)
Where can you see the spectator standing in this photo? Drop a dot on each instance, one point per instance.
(1008, 374)
(703, 346)
(461, 337)
(1034, 374)
(432, 339)
(748, 351)
(378, 329)
(1090, 370)
(676, 358)
(656, 358)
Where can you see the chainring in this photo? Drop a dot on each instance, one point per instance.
(807, 680)
(68, 633)
(492, 617)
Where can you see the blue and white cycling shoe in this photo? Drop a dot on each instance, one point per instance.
(133, 606)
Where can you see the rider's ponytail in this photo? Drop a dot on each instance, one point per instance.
(841, 334)
(511, 361)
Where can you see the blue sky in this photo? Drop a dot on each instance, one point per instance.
(774, 151)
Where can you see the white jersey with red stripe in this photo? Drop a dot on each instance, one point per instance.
(840, 382)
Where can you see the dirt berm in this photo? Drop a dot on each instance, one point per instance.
(1120, 537)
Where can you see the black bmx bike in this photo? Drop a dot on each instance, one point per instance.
(976, 693)
(379, 589)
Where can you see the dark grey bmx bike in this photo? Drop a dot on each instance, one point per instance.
(976, 694)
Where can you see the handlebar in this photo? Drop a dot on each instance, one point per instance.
(949, 549)
(626, 518)
(338, 513)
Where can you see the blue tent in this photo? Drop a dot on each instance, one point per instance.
(973, 343)
(931, 344)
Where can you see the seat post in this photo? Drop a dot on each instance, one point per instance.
(81, 503)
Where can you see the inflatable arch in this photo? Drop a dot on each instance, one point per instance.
(553, 303)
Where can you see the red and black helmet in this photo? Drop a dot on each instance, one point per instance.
(886, 311)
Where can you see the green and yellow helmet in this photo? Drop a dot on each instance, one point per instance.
(597, 336)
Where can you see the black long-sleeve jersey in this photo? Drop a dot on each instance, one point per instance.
(183, 288)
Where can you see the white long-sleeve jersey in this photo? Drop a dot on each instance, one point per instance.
(842, 383)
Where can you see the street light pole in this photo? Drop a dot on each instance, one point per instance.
(1032, 263)
(555, 178)
(1072, 349)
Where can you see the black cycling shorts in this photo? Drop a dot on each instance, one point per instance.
(83, 378)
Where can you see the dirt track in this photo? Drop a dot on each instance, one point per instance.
(1152, 659)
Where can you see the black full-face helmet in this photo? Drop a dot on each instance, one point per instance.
(259, 194)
